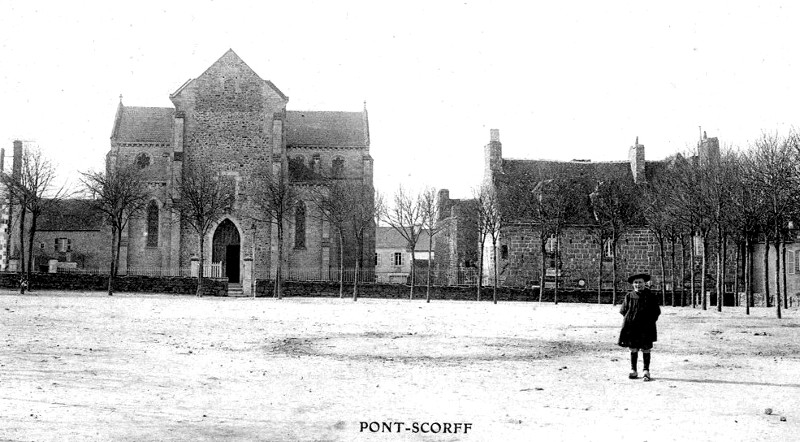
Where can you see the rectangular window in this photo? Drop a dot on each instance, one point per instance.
(790, 263)
(398, 259)
(797, 262)
(63, 245)
(377, 259)
(504, 252)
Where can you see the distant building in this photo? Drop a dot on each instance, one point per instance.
(393, 256)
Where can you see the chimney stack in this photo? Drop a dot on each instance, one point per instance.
(493, 152)
(636, 158)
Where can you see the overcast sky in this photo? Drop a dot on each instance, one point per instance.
(561, 80)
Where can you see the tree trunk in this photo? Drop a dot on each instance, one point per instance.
(719, 283)
(543, 275)
(683, 271)
(600, 272)
(430, 264)
(692, 239)
(747, 270)
(614, 271)
(777, 273)
(278, 290)
(22, 212)
(672, 269)
(113, 260)
(785, 289)
(557, 267)
(480, 268)
(341, 264)
(736, 287)
(413, 272)
(200, 270)
(766, 271)
(31, 234)
(355, 279)
(703, 270)
(494, 259)
(663, 270)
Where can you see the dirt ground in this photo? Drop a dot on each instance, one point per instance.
(84, 366)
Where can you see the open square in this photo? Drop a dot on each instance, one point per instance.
(84, 366)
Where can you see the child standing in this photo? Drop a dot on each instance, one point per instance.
(641, 311)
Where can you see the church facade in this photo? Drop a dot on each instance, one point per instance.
(231, 118)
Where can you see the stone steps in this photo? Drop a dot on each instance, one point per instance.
(235, 290)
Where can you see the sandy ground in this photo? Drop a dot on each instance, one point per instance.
(83, 366)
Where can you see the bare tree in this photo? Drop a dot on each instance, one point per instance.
(334, 206)
(406, 217)
(776, 177)
(366, 207)
(614, 202)
(490, 222)
(433, 224)
(32, 189)
(119, 194)
(475, 210)
(201, 199)
(276, 198)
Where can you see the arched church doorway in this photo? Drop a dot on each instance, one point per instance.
(225, 248)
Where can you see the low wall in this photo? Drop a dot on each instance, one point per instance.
(143, 284)
(461, 293)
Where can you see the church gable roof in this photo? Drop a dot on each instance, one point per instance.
(143, 124)
(326, 129)
(229, 59)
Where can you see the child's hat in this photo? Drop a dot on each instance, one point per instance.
(636, 276)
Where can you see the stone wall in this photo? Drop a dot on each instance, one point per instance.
(141, 284)
(579, 258)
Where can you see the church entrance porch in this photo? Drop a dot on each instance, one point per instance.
(226, 249)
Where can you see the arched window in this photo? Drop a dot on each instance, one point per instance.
(152, 224)
(300, 226)
(142, 160)
(337, 167)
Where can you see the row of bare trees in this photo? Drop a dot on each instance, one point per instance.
(202, 198)
(30, 189)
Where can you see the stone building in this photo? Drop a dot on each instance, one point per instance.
(456, 243)
(233, 119)
(393, 255)
(580, 250)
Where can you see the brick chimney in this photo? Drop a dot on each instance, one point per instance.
(443, 203)
(493, 152)
(636, 158)
(16, 162)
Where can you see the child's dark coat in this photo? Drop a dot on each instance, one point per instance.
(639, 325)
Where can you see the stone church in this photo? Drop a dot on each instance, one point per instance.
(237, 121)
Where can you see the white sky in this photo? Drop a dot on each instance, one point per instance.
(561, 80)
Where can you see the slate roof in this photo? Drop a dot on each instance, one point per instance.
(326, 129)
(389, 238)
(525, 174)
(143, 124)
(303, 128)
(70, 215)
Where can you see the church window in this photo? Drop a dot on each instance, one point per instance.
(142, 160)
(152, 224)
(300, 226)
(337, 169)
(315, 161)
